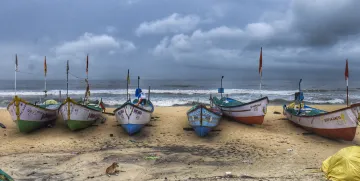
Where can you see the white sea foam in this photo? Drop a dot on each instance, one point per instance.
(155, 91)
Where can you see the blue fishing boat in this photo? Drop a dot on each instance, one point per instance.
(203, 119)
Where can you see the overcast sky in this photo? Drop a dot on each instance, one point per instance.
(165, 39)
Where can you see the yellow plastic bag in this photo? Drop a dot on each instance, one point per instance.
(344, 165)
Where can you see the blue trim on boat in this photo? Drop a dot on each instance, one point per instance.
(132, 128)
(202, 130)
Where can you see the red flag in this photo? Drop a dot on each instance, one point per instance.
(260, 62)
(45, 66)
(346, 71)
(87, 64)
(102, 106)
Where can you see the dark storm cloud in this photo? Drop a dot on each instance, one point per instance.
(180, 39)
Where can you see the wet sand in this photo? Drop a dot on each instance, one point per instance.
(276, 150)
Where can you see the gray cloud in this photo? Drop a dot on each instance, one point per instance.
(180, 39)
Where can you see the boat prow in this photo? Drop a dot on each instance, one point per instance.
(132, 117)
(79, 116)
(29, 117)
(248, 113)
(203, 119)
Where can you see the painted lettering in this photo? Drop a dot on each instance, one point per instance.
(255, 105)
(92, 115)
(332, 118)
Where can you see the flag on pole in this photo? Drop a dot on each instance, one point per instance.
(260, 62)
(128, 77)
(45, 66)
(87, 64)
(16, 63)
(346, 70)
(67, 67)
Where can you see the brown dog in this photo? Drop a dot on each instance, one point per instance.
(111, 170)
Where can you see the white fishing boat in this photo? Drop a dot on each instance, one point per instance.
(77, 115)
(81, 114)
(245, 112)
(339, 124)
(133, 117)
(29, 117)
(248, 113)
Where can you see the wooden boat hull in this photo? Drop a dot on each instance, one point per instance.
(133, 118)
(340, 124)
(248, 113)
(29, 117)
(202, 119)
(77, 116)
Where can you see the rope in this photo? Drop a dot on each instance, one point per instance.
(27, 73)
(82, 80)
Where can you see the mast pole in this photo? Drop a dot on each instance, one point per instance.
(127, 85)
(260, 70)
(67, 79)
(347, 82)
(16, 69)
(45, 71)
(138, 81)
(221, 85)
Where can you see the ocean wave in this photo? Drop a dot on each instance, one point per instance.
(155, 91)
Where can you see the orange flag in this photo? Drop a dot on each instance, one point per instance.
(260, 62)
(45, 66)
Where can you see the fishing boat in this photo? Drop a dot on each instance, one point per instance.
(133, 117)
(248, 113)
(203, 119)
(339, 124)
(245, 112)
(29, 117)
(81, 114)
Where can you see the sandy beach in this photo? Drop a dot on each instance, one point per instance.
(276, 150)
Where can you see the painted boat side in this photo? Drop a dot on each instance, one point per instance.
(339, 124)
(248, 113)
(78, 116)
(202, 119)
(29, 117)
(133, 118)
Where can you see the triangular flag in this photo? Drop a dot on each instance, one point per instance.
(87, 64)
(260, 62)
(16, 63)
(45, 66)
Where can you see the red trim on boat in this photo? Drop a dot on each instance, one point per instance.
(250, 119)
(347, 134)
